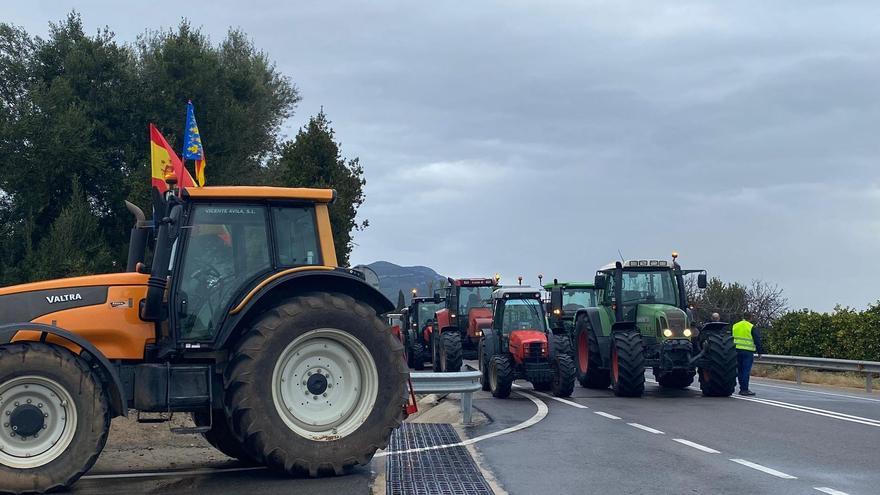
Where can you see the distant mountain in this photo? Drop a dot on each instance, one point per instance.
(394, 278)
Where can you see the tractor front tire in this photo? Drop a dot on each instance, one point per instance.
(484, 367)
(718, 375)
(55, 417)
(628, 364)
(416, 355)
(220, 435)
(450, 352)
(501, 375)
(562, 345)
(563, 376)
(315, 385)
(588, 359)
(676, 379)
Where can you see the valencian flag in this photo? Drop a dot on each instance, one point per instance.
(165, 160)
(192, 144)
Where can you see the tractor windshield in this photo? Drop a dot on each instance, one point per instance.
(426, 312)
(574, 299)
(473, 297)
(523, 314)
(647, 287)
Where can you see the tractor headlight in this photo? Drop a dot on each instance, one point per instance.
(667, 333)
(478, 333)
(687, 332)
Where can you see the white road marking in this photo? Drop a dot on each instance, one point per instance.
(646, 428)
(815, 391)
(557, 399)
(696, 445)
(538, 416)
(157, 474)
(812, 410)
(765, 469)
(606, 415)
(829, 491)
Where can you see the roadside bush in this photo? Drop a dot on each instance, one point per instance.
(843, 334)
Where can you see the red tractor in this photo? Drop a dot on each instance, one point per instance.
(519, 345)
(417, 327)
(461, 322)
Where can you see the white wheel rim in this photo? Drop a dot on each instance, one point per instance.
(325, 384)
(36, 394)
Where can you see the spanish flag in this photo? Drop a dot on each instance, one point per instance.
(164, 161)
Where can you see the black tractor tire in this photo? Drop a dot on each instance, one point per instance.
(718, 375)
(89, 400)
(501, 375)
(676, 379)
(249, 397)
(588, 358)
(416, 355)
(562, 345)
(628, 364)
(563, 376)
(484, 367)
(450, 352)
(220, 435)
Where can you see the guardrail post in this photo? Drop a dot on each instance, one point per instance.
(869, 382)
(797, 374)
(467, 400)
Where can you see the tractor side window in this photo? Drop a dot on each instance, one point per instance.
(296, 235)
(228, 246)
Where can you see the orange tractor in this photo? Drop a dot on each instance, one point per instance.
(242, 319)
(461, 322)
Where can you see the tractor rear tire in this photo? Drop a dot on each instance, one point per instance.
(53, 392)
(484, 367)
(450, 352)
(416, 356)
(588, 359)
(220, 436)
(501, 375)
(563, 376)
(628, 364)
(315, 385)
(718, 376)
(676, 379)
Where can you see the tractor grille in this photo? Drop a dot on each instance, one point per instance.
(534, 351)
(676, 321)
(449, 471)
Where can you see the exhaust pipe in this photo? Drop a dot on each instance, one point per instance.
(137, 242)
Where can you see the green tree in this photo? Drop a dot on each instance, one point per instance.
(314, 159)
(401, 299)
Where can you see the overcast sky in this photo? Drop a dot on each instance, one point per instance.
(543, 137)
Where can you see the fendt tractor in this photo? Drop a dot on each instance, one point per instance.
(417, 326)
(520, 345)
(574, 296)
(643, 320)
(242, 320)
(466, 313)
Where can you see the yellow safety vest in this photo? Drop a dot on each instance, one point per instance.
(742, 336)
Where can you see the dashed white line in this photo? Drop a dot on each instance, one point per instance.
(557, 399)
(606, 415)
(829, 491)
(696, 446)
(765, 469)
(646, 428)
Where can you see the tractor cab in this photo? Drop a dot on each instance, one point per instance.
(519, 323)
(566, 298)
(417, 327)
(462, 319)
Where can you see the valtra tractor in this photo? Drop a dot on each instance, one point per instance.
(466, 313)
(643, 320)
(242, 319)
(571, 297)
(417, 327)
(520, 345)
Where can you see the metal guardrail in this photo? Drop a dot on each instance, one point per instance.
(462, 382)
(800, 362)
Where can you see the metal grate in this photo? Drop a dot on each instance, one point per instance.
(449, 471)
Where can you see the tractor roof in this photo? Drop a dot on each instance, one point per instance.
(517, 292)
(571, 285)
(645, 263)
(261, 192)
(473, 282)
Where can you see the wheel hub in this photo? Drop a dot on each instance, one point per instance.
(26, 420)
(317, 384)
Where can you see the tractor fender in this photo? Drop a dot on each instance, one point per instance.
(283, 285)
(118, 407)
(443, 319)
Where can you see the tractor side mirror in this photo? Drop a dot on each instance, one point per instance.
(556, 301)
(174, 225)
(701, 281)
(601, 281)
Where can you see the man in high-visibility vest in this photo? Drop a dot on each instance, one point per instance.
(748, 343)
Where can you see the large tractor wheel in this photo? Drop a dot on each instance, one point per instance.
(55, 417)
(589, 360)
(563, 375)
(316, 385)
(450, 352)
(562, 345)
(484, 367)
(415, 355)
(628, 364)
(501, 375)
(676, 379)
(220, 435)
(718, 375)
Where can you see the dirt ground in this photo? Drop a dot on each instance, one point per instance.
(833, 378)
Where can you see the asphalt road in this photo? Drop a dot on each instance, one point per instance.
(787, 439)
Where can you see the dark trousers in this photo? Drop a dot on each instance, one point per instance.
(744, 361)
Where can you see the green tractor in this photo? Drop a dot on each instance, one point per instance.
(642, 320)
(574, 296)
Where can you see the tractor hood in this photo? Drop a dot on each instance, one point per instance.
(650, 317)
(479, 319)
(105, 280)
(519, 338)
